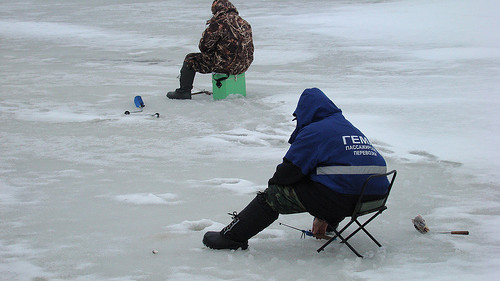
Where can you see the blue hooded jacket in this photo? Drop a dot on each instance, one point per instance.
(328, 149)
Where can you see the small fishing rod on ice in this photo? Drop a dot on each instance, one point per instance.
(421, 226)
(307, 232)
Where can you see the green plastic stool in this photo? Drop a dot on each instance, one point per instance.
(224, 85)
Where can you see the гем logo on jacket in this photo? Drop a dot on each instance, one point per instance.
(360, 145)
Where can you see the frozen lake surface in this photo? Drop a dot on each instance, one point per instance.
(86, 193)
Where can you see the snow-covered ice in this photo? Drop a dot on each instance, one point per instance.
(87, 193)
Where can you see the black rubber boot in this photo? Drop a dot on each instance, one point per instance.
(253, 219)
(186, 83)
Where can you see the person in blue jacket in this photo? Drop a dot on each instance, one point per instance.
(322, 173)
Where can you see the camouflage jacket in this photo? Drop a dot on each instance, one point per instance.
(227, 39)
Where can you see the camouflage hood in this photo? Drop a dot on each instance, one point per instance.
(223, 7)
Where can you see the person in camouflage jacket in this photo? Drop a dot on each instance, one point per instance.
(226, 47)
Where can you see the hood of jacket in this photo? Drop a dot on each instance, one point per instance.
(223, 6)
(313, 106)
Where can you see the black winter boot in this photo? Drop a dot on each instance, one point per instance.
(253, 219)
(186, 83)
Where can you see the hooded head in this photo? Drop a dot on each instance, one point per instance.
(223, 6)
(313, 106)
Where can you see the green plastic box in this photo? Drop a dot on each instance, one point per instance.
(224, 85)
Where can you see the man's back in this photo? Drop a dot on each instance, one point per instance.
(324, 139)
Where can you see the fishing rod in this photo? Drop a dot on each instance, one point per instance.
(139, 103)
(307, 232)
(202, 92)
(421, 226)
